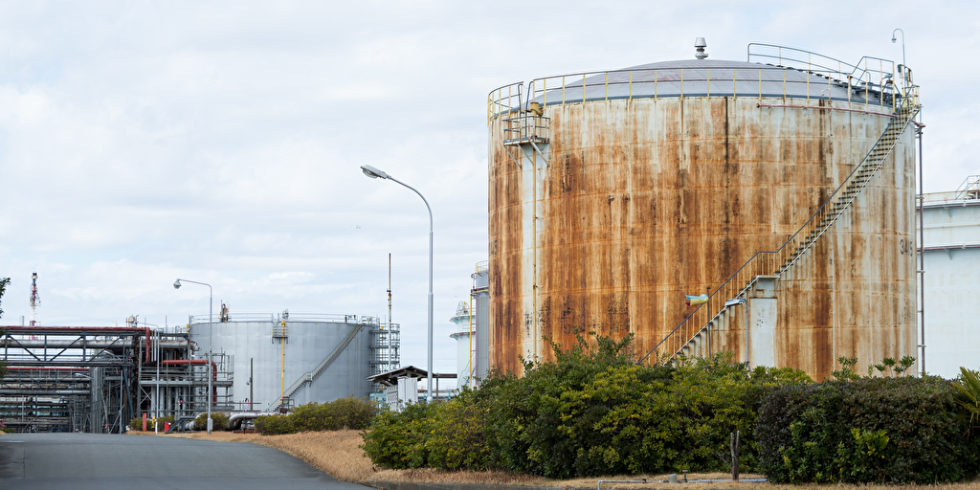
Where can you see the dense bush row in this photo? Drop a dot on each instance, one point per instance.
(594, 412)
(591, 412)
(872, 430)
(219, 421)
(343, 413)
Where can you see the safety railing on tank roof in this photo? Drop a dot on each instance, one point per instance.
(869, 70)
(969, 189)
(679, 82)
(766, 262)
(298, 317)
(527, 127)
(234, 317)
(505, 99)
(862, 82)
(331, 318)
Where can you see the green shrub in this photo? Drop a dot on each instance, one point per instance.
(968, 386)
(457, 436)
(632, 419)
(873, 430)
(352, 413)
(305, 418)
(590, 412)
(275, 424)
(524, 425)
(343, 413)
(397, 439)
(219, 421)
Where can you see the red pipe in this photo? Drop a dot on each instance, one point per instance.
(75, 329)
(214, 373)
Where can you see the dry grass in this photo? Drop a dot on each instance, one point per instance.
(339, 454)
(335, 453)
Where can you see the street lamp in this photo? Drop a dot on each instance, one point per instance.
(741, 301)
(210, 341)
(375, 173)
(899, 30)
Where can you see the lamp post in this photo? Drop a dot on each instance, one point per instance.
(375, 173)
(745, 305)
(210, 341)
(894, 39)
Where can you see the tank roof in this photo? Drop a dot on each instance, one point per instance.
(700, 78)
(770, 71)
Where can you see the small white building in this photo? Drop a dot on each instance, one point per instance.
(951, 253)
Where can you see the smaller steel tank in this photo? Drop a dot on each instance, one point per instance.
(302, 357)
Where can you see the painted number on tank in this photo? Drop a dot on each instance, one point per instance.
(906, 247)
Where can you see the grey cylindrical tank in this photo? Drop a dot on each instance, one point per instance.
(285, 358)
(481, 300)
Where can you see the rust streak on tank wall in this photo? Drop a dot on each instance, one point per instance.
(643, 201)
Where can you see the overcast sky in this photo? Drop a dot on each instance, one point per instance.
(221, 141)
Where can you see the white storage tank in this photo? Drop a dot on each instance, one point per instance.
(952, 261)
(471, 331)
(480, 296)
(306, 358)
(464, 333)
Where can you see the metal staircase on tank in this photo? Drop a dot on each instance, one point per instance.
(690, 337)
(309, 376)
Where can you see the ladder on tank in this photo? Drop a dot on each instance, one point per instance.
(686, 337)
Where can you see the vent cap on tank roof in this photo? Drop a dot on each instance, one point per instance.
(699, 45)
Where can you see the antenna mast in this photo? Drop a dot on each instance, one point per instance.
(35, 299)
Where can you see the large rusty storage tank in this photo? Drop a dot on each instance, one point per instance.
(615, 194)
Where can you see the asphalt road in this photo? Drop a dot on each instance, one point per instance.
(113, 461)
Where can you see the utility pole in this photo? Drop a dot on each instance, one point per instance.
(391, 358)
(35, 299)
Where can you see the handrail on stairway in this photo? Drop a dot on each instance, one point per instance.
(908, 108)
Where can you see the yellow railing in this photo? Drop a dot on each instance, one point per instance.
(503, 100)
(870, 82)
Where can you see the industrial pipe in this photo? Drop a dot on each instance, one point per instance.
(47, 369)
(198, 362)
(34, 391)
(235, 419)
(74, 344)
(79, 331)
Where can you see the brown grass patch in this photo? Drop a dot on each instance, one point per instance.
(338, 454)
(335, 453)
